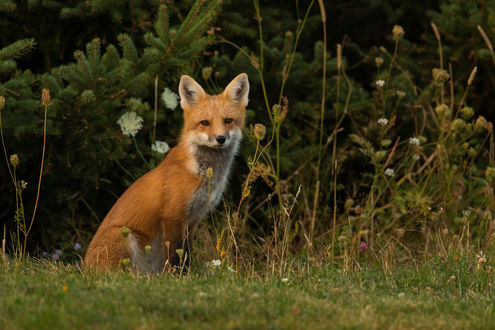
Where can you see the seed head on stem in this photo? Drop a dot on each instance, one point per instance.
(398, 32)
(259, 131)
(14, 160)
(45, 97)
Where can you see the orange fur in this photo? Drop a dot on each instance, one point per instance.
(163, 207)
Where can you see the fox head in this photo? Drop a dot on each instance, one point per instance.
(214, 121)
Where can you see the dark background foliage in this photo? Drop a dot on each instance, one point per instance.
(123, 48)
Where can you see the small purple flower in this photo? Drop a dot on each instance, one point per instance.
(55, 257)
(44, 254)
(58, 252)
(363, 246)
(77, 246)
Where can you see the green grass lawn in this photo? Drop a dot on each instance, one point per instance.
(45, 295)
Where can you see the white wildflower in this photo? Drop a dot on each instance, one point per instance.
(160, 146)
(382, 121)
(380, 83)
(170, 99)
(414, 141)
(23, 184)
(285, 279)
(390, 172)
(130, 123)
(216, 263)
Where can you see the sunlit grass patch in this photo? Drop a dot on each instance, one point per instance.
(452, 293)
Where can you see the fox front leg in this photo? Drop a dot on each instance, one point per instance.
(189, 235)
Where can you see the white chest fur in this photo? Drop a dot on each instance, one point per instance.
(210, 191)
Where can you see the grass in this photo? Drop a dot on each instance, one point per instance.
(429, 193)
(439, 294)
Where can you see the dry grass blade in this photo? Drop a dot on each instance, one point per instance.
(439, 40)
(322, 11)
(487, 42)
(472, 75)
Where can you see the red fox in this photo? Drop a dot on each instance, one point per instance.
(163, 208)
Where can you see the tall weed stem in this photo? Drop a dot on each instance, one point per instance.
(39, 180)
(139, 152)
(323, 85)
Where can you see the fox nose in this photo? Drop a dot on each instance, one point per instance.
(221, 139)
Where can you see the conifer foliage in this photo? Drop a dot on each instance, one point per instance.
(371, 132)
(88, 95)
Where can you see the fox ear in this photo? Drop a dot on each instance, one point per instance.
(238, 89)
(190, 92)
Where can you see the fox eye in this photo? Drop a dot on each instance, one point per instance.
(205, 122)
(228, 120)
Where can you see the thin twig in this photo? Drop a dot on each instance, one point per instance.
(334, 224)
